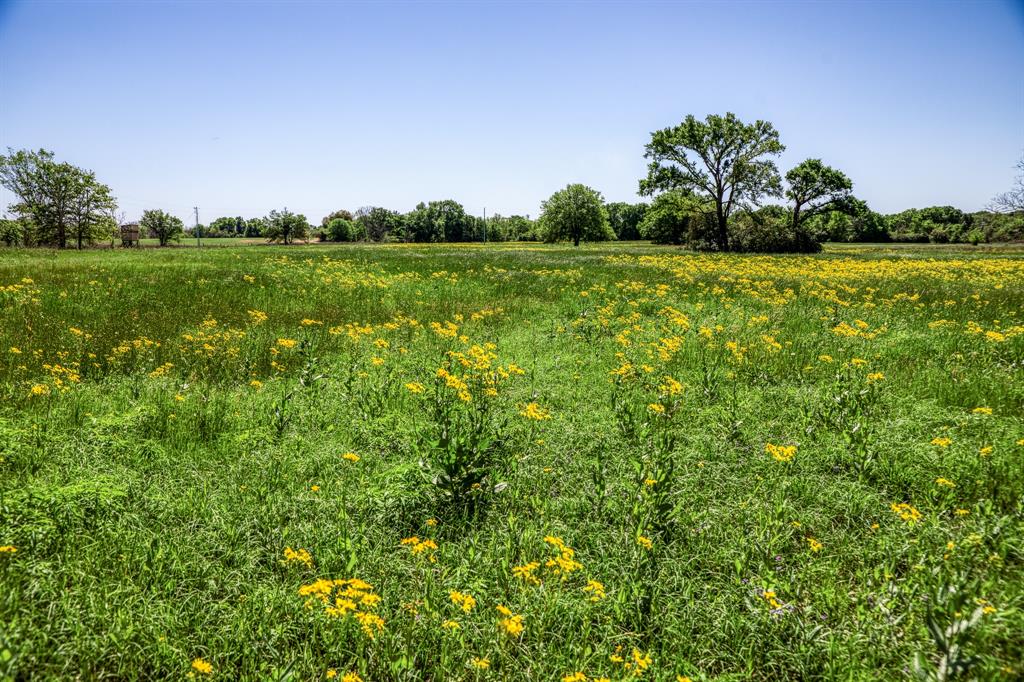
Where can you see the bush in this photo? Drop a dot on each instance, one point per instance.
(768, 230)
(340, 230)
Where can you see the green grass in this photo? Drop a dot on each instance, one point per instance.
(161, 446)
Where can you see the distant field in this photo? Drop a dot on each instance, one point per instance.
(511, 461)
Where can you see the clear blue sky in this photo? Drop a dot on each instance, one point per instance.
(244, 107)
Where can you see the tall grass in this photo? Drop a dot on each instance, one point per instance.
(638, 463)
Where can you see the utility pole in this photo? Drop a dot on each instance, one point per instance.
(199, 243)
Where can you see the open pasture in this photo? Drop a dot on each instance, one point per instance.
(511, 462)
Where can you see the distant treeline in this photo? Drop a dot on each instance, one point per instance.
(711, 182)
(447, 221)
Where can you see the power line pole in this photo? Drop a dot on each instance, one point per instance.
(199, 243)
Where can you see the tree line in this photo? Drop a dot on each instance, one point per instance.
(711, 185)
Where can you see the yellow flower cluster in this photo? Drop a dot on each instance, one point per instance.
(346, 598)
(781, 453)
(906, 512)
(463, 600)
(512, 624)
(418, 547)
(535, 412)
(300, 556)
(564, 562)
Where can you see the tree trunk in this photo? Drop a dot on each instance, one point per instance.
(723, 229)
(576, 239)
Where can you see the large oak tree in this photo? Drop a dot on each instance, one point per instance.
(577, 213)
(720, 159)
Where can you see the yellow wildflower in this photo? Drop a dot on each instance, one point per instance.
(202, 667)
(906, 512)
(512, 625)
(300, 556)
(535, 412)
(781, 453)
(526, 572)
(464, 601)
(595, 589)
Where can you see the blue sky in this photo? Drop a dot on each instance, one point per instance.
(244, 107)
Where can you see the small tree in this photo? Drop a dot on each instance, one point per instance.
(91, 210)
(721, 159)
(815, 188)
(577, 213)
(162, 226)
(285, 226)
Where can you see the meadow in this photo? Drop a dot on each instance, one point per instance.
(520, 462)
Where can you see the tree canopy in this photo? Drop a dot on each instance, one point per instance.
(162, 226)
(439, 221)
(625, 219)
(720, 159)
(340, 230)
(57, 199)
(814, 188)
(676, 217)
(575, 213)
(377, 223)
(334, 215)
(285, 227)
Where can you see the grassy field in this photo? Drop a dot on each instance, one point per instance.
(511, 462)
